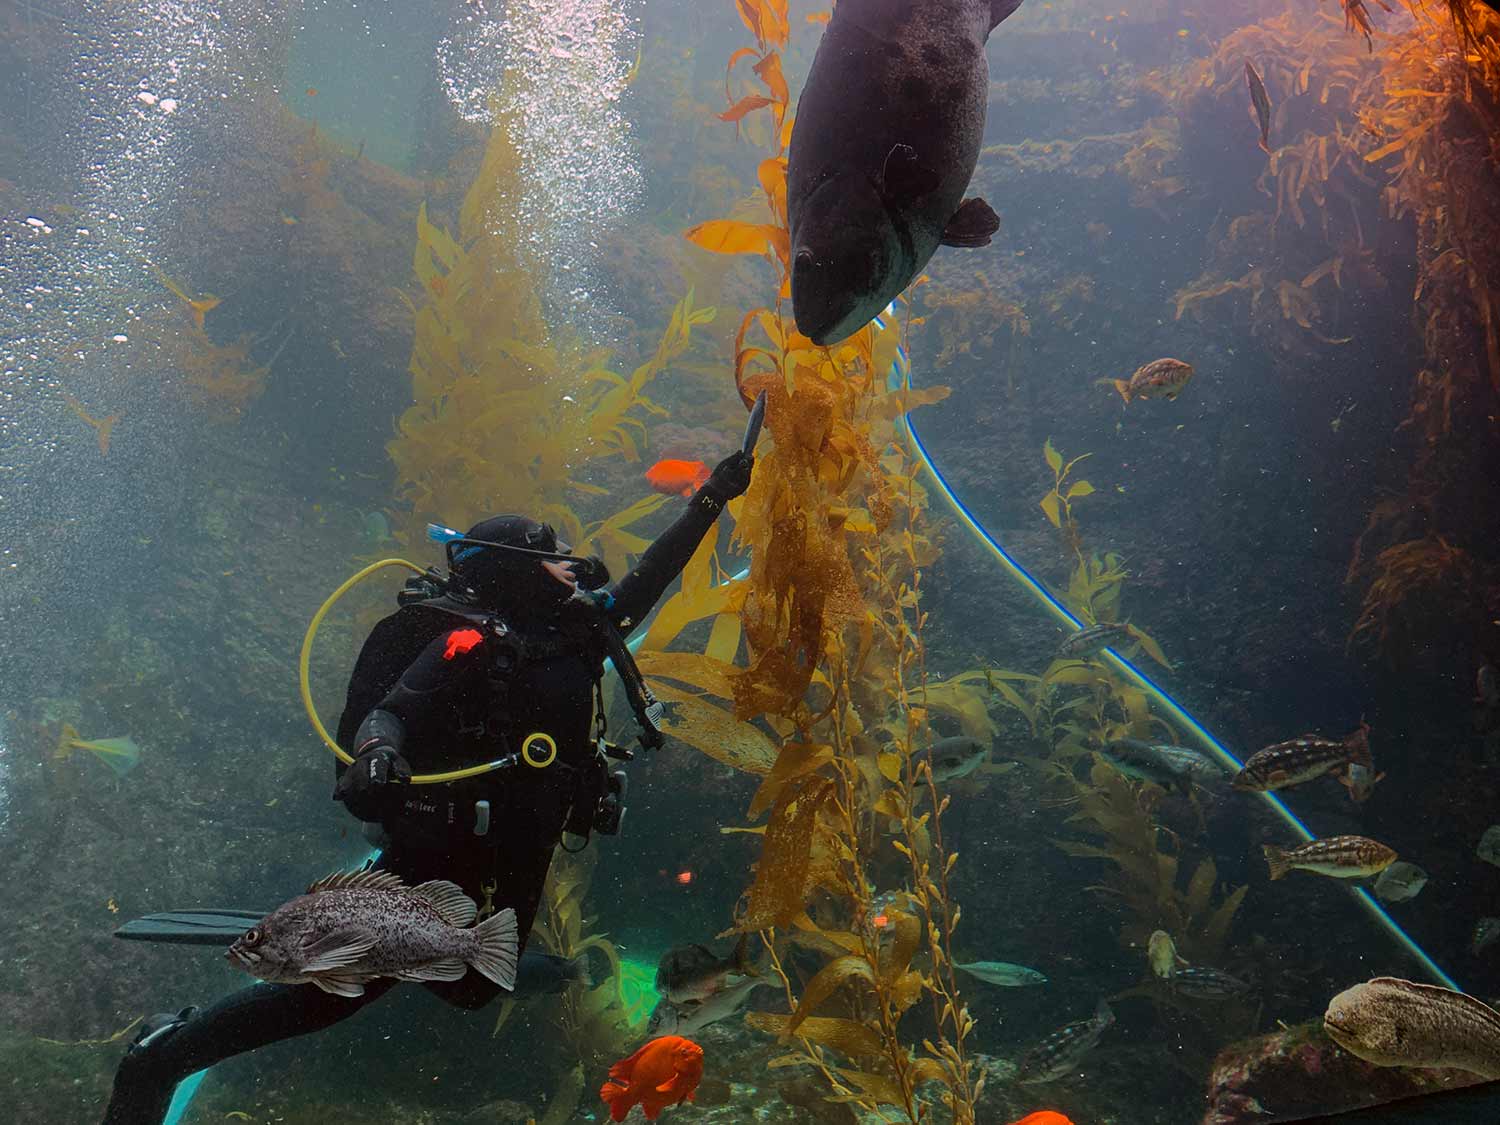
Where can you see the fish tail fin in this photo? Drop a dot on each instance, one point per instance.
(1123, 387)
(499, 947)
(613, 1095)
(1276, 860)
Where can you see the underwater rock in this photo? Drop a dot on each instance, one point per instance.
(1295, 1073)
(1489, 845)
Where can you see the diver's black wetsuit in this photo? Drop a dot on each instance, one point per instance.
(437, 684)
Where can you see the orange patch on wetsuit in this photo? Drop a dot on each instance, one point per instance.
(461, 641)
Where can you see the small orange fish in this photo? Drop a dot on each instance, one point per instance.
(312, 91)
(664, 1072)
(1044, 1117)
(680, 477)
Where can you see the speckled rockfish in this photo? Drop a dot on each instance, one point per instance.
(1093, 640)
(1342, 857)
(352, 927)
(1060, 1053)
(1301, 759)
(1161, 378)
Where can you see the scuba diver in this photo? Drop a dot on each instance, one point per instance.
(498, 661)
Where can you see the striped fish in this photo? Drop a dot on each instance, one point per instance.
(1341, 857)
(1301, 759)
(1060, 1053)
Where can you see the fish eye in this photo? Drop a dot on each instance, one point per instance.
(253, 937)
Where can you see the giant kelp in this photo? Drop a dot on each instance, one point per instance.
(831, 623)
(509, 413)
(1436, 133)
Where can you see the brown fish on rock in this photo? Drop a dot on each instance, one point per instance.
(352, 927)
(1392, 1022)
(1301, 759)
(1341, 857)
(1161, 378)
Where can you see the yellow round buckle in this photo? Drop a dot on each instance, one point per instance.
(529, 753)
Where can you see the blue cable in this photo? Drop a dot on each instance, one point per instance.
(1023, 576)
(189, 1086)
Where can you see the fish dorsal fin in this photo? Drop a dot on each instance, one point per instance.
(1476, 1006)
(449, 900)
(903, 177)
(366, 879)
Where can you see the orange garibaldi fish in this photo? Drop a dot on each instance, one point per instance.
(680, 478)
(1044, 1117)
(664, 1072)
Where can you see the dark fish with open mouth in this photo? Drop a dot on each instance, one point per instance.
(885, 140)
(352, 927)
(695, 972)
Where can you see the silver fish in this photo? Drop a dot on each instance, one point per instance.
(689, 1018)
(1060, 1053)
(1486, 930)
(1200, 983)
(1167, 766)
(1399, 882)
(694, 972)
(352, 927)
(1092, 640)
(1393, 1022)
(954, 758)
(1002, 973)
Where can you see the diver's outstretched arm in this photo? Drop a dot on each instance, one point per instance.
(166, 1053)
(663, 561)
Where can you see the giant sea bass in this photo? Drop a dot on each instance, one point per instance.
(885, 140)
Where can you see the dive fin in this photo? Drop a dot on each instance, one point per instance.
(449, 900)
(903, 178)
(335, 950)
(972, 225)
(191, 927)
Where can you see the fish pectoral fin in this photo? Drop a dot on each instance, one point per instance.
(334, 950)
(972, 225)
(669, 1086)
(340, 985)
(450, 968)
(904, 178)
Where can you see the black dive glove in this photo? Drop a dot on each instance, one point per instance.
(370, 773)
(730, 477)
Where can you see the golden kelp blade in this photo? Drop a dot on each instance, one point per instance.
(119, 754)
(716, 732)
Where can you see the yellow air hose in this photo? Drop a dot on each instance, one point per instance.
(305, 685)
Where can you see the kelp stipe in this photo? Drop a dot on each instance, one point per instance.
(831, 621)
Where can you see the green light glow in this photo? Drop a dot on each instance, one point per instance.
(638, 990)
